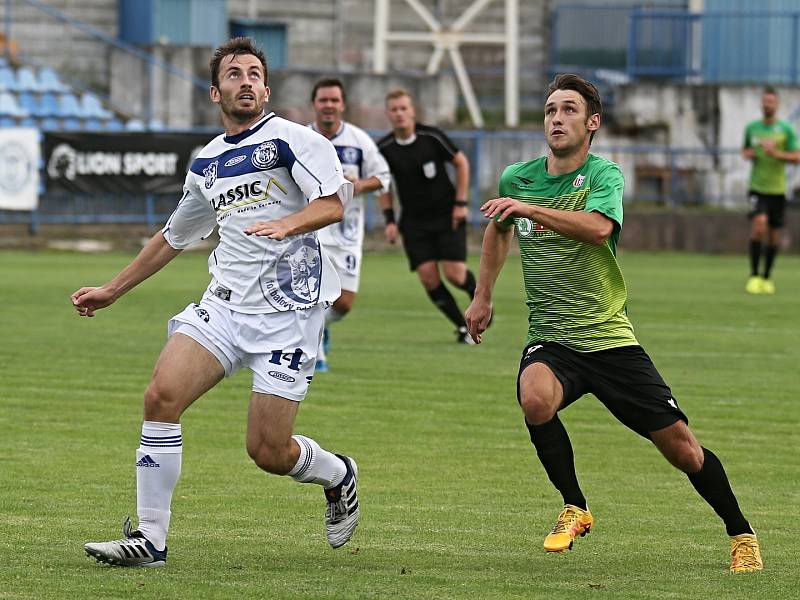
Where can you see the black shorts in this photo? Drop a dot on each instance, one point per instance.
(624, 379)
(441, 244)
(772, 205)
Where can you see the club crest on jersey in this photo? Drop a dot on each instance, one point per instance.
(349, 155)
(524, 227)
(211, 174)
(266, 155)
(578, 181)
(291, 280)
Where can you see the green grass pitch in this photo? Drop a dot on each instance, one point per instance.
(454, 501)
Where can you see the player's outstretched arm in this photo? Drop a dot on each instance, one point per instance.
(496, 240)
(590, 227)
(319, 213)
(153, 257)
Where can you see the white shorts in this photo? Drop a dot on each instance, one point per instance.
(280, 348)
(347, 262)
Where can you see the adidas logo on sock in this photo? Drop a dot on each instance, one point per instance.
(146, 461)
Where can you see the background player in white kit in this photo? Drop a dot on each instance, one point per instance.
(268, 184)
(365, 167)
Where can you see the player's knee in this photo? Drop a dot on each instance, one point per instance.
(685, 456)
(271, 459)
(690, 458)
(537, 407)
(161, 404)
(453, 277)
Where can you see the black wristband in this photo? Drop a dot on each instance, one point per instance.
(461, 203)
(388, 215)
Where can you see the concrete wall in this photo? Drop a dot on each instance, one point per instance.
(698, 118)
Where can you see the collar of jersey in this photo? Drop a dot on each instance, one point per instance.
(235, 139)
(406, 142)
(313, 126)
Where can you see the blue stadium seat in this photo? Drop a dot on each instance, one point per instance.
(9, 106)
(29, 122)
(72, 124)
(49, 123)
(29, 102)
(8, 122)
(113, 125)
(68, 106)
(156, 125)
(50, 81)
(93, 108)
(93, 125)
(8, 80)
(48, 105)
(134, 125)
(27, 81)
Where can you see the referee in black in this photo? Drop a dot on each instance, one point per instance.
(433, 219)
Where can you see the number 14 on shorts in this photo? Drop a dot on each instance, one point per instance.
(293, 358)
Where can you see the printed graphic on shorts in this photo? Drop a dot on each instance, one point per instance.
(350, 222)
(201, 312)
(291, 279)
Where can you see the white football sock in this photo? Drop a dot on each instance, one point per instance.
(316, 465)
(158, 466)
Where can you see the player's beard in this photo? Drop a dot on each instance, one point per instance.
(242, 114)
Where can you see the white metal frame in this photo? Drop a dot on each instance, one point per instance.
(449, 39)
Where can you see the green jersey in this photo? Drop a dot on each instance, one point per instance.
(575, 291)
(768, 175)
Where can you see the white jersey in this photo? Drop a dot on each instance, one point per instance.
(267, 172)
(360, 159)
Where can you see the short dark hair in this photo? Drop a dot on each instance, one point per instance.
(236, 46)
(768, 89)
(587, 90)
(328, 82)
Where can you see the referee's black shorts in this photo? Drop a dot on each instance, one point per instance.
(443, 243)
(624, 379)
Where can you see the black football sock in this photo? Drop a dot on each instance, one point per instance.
(445, 302)
(755, 256)
(712, 484)
(769, 258)
(555, 453)
(469, 284)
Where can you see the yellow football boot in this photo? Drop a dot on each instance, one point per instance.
(571, 522)
(745, 554)
(767, 286)
(754, 285)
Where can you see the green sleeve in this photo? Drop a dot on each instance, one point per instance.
(748, 141)
(503, 190)
(605, 197)
(791, 138)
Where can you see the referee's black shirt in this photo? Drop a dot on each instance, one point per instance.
(424, 188)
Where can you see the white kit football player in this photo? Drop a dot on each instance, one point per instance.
(365, 167)
(268, 185)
